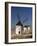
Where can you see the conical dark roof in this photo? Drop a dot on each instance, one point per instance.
(27, 26)
(19, 23)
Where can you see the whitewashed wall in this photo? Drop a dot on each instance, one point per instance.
(25, 29)
(18, 28)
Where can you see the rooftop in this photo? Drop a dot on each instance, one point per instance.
(19, 23)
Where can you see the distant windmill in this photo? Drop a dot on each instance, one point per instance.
(26, 27)
(18, 26)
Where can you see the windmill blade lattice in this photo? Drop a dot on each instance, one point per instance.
(18, 17)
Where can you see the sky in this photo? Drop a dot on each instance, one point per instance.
(24, 15)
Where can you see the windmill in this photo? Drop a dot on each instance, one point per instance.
(26, 27)
(18, 26)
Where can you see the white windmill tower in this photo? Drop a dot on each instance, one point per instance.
(18, 26)
(25, 27)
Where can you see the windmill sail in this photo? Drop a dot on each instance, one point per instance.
(18, 17)
(19, 21)
(25, 20)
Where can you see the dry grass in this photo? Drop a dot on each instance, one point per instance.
(24, 35)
